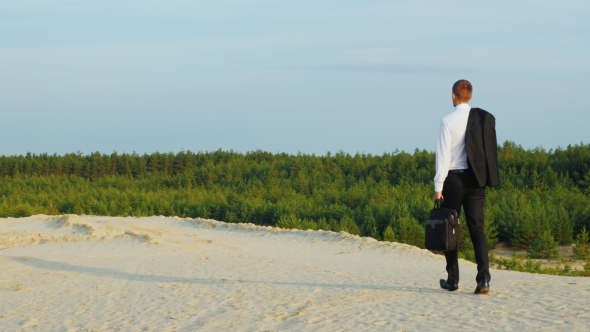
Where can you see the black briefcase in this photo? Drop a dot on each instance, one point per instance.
(443, 230)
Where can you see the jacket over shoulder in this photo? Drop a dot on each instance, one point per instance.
(481, 147)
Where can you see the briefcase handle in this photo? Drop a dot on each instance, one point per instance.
(439, 204)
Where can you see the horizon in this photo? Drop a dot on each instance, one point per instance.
(325, 154)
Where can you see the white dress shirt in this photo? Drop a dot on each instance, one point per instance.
(450, 150)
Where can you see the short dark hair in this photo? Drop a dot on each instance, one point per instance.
(462, 89)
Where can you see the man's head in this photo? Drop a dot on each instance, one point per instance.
(461, 92)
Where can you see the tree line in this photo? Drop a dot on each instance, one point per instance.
(384, 196)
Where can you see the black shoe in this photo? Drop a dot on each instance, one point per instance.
(450, 287)
(483, 287)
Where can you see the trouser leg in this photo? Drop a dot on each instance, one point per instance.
(453, 192)
(473, 207)
(452, 266)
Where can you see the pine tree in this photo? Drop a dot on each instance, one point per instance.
(544, 247)
(582, 247)
(389, 234)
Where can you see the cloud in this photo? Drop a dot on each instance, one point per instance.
(387, 61)
(397, 68)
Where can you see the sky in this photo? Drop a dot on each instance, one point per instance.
(286, 76)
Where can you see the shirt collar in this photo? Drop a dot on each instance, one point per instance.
(462, 107)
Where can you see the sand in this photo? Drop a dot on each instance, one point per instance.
(91, 273)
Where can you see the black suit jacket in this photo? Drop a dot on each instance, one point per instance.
(482, 148)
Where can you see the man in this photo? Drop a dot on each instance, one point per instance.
(467, 162)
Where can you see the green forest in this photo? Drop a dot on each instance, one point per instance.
(387, 197)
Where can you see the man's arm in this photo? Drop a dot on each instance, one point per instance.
(443, 159)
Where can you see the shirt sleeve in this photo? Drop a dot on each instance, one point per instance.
(443, 156)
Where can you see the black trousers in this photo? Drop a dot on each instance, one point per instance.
(460, 190)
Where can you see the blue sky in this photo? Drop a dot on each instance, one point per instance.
(299, 76)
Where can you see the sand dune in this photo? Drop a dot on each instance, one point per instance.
(89, 273)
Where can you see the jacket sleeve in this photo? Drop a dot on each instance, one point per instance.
(491, 150)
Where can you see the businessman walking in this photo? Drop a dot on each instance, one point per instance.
(466, 163)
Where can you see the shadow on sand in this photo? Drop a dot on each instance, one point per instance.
(113, 273)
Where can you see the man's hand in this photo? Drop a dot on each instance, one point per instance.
(438, 196)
